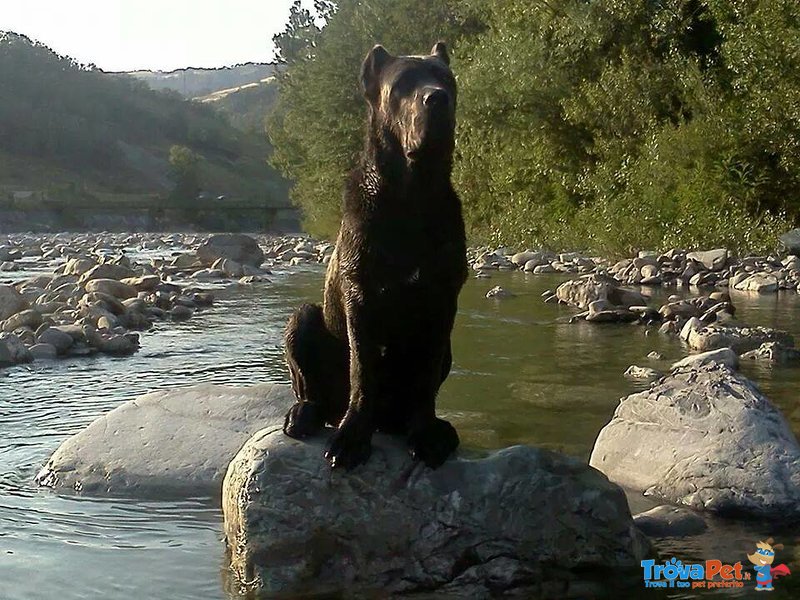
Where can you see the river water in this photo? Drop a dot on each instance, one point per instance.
(521, 375)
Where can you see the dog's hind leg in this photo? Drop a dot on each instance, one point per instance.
(318, 367)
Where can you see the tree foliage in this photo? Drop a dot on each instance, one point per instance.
(596, 124)
(185, 172)
(316, 126)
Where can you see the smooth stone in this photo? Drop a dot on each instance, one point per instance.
(57, 338)
(11, 302)
(78, 266)
(520, 519)
(26, 318)
(522, 258)
(181, 313)
(175, 443)
(12, 350)
(229, 267)
(238, 247)
(670, 521)
(723, 356)
(43, 351)
(713, 260)
(145, 283)
(689, 327)
(583, 291)
(499, 292)
(705, 438)
(615, 315)
(107, 271)
(646, 373)
(533, 263)
(208, 274)
(773, 352)
(111, 287)
(760, 283)
(543, 269)
(791, 241)
(739, 339)
(251, 279)
(117, 345)
(680, 309)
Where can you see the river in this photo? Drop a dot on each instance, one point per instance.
(521, 375)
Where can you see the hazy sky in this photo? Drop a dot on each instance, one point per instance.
(123, 35)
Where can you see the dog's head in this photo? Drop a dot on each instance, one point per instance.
(412, 99)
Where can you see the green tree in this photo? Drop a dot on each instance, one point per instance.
(609, 125)
(185, 172)
(316, 127)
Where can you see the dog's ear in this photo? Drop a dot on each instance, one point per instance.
(769, 541)
(439, 50)
(777, 547)
(371, 69)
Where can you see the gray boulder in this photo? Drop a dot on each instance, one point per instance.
(581, 292)
(713, 260)
(26, 318)
(645, 373)
(723, 356)
(705, 438)
(791, 241)
(670, 521)
(235, 246)
(761, 283)
(522, 518)
(166, 444)
(107, 271)
(43, 351)
(111, 287)
(774, 353)
(738, 339)
(12, 350)
(499, 292)
(11, 302)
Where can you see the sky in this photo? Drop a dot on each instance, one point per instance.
(125, 35)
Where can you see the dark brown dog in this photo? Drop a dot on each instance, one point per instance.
(375, 354)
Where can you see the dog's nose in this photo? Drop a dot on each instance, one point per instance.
(436, 98)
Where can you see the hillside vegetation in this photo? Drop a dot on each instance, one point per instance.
(608, 126)
(67, 126)
(246, 106)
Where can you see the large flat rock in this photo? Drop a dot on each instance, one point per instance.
(738, 339)
(707, 438)
(166, 444)
(520, 519)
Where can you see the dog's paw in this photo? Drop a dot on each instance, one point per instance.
(349, 446)
(303, 420)
(433, 443)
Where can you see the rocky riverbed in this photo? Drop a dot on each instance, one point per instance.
(78, 295)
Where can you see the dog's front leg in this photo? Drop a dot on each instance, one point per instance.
(350, 445)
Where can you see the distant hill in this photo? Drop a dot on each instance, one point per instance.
(246, 106)
(64, 124)
(193, 82)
